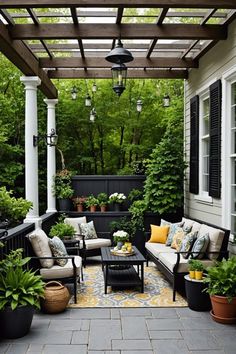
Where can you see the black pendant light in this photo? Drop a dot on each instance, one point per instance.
(119, 73)
(119, 55)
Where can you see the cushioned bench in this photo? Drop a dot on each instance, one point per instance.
(172, 263)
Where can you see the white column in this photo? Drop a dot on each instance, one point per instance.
(31, 152)
(51, 156)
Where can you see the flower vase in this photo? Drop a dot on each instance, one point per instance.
(119, 244)
(116, 207)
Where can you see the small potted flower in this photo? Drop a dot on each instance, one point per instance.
(120, 237)
(195, 269)
(91, 203)
(102, 200)
(117, 199)
(80, 203)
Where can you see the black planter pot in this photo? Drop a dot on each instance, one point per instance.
(64, 204)
(117, 207)
(15, 323)
(198, 300)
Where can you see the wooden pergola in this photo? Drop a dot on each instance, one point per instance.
(57, 39)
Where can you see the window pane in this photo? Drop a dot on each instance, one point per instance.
(233, 93)
(206, 117)
(233, 203)
(205, 181)
(233, 117)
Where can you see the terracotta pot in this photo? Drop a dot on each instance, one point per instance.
(103, 208)
(222, 309)
(198, 275)
(192, 274)
(80, 208)
(93, 208)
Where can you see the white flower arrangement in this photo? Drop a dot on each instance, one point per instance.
(120, 235)
(117, 198)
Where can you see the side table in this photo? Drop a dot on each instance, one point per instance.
(197, 299)
(72, 246)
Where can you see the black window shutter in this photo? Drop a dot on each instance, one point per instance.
(215, 140)
(194, 145)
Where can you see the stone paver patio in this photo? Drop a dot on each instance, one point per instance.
(125, 331)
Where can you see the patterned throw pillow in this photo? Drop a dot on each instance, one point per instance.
(88, 230)
(172, 230)
(200, 245)
(177, 239)
(58, 249)
(187, 243)
(187, 229)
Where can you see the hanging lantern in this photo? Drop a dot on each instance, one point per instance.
(74, 92)
(94, 87)
(119, 54)
(92, 115)
(139, 106)
(119, 73)
(88, 101)
(166, 101)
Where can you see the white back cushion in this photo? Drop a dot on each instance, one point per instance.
(216, 238)
(75, 222)
(40, 245)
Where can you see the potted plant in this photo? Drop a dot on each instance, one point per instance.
(195, 268)
(120, 237)
(117, 199)
(11, 208)
(92, 203)
(62, 230)
(20, 293)
(102, 201)
(80, 203)
(63, 190)
(221, 286)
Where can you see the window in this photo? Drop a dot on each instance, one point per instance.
(233, 158)
(204, 145)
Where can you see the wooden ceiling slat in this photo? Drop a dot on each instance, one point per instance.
(5, 14)
(76, 22)
(114, 14)
(125, 31)
(160, 20)
(207, 4)
(106, 74)
(106, 46)
(22, 58)
(102, 63)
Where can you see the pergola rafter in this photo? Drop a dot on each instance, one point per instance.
(70, 38)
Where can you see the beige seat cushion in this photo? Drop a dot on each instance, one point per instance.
(75, 222)
(169, 260)
(57, 272)
(40, 245)
(157, 248)
(216, 238)
(97, 243)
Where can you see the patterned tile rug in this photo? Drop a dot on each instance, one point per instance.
(157, 291)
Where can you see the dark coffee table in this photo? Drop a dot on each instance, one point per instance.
(119, 271)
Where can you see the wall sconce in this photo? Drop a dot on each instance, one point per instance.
(50, 139)
(139, 106)
(74, 93)
(166, 101)
(88, 101)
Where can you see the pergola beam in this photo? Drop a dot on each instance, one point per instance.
(224, 4)
(21, 57)
(124, 31)
(102, 63)
(106, 74)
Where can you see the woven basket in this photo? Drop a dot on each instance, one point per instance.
(56, 297)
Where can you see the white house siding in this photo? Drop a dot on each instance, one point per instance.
(212, 66)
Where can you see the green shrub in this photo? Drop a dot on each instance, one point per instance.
(61, 230)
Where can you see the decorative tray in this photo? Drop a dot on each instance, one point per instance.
(122, 253)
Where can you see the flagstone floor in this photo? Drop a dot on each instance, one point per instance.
(125, 331)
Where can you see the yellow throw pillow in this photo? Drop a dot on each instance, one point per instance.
(177, 240)
(159, 234)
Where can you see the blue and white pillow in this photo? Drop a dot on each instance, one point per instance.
(172, 230)
(58, 249)
(200, 245)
